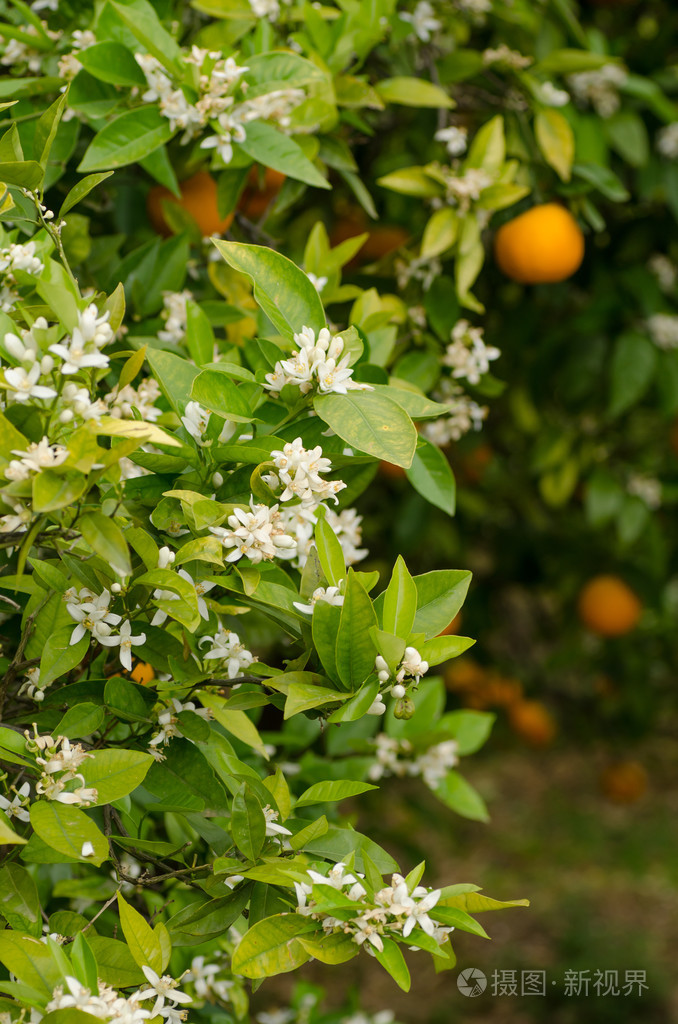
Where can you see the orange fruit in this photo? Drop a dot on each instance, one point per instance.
(198, 198)
(533, 722)
(624, 782)
(143, 673)
(607, 606)
(257, 197)
(543, 245)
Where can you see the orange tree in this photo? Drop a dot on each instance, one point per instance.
(196, 673)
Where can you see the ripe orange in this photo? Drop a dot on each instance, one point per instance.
(607, 606)
(624, 782)
(143, 673)
(257, 197)
(544, 244)
(198, 198)
(533, 722)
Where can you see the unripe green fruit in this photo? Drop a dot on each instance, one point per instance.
(404, 708)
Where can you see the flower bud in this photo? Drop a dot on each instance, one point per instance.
(217, 480)
(398, 690)
(404, 708)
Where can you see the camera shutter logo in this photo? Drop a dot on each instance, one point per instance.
(471, 982)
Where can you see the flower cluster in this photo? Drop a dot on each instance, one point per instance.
(411, 668)
(422, 20)
(299, 471)
(92, 613)
(212, 105)
(398, 757)
(169, 722)
(320, 363)
(600, 88)
(125, 402)
(468, 356)
(174, 315)
(455, 139)
(257, 534)
(226, 648)
(59, 762)
(105, 1004)
(394, 911)
(330, 595)
(465, 415)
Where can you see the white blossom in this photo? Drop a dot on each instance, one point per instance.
(330, 595)
(18, 806)
(161, 989)
(272, 826)
(454, 138)
(299, 470)
(174, 315)
(422, 20)
(667, 141)
(35, 458)
(663, 329)
(24, 383)
(91, 612)
(256, 534)
(647, 488)
(317, 362)
(124, 640)
(599, 88)
(20, 256)
(468, 356)
(226, 647)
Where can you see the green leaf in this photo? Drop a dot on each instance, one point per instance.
(199, 334)
(82, 189)
(355, 648)
(440, 595)
(602, 178)
(126, 140)
(106, 539)
(627, 135)
(555, 139)
(400, 601)
(283, 291)
(19, 900)
(25, 173)
(248, 824)
(66, 828)
(141, 18)
(633, 366)
(143, 943)
(413, 92)
(271, 148)
(29, 960)
(271, 947)
(46, 129)
(115, 963)
(81, 720)
(112, 62)
(59, 656)
(440, 232)
(393, 961)
(84, 962)
(470, 729)
(460, 796)
(488, 149)
(442, 648)
(9, 837)
(115, 773)
(330, 552)
(52, 490)
(234, 721)
(330, 949)
(332, 792)
(412, 181)
(305, 835)
(372, 423)
(217, 392)
(430, 474)
(568, 62)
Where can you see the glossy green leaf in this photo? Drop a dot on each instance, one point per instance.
(430, 474)
(372, 423)
(66, 829)
(115, 773)
(270, 947)
(127, 139)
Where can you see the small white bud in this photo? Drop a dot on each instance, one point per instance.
(217, 480)
(398, 690)
(87, 849)
(116, 588)
(66, 416)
